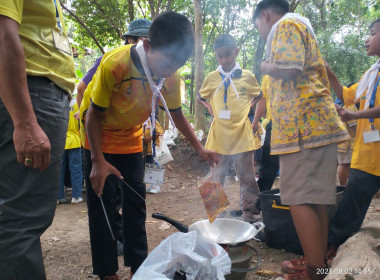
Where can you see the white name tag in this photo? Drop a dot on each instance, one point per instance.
(61, 42)
(224, 114)
(371, 136)
(153, 174)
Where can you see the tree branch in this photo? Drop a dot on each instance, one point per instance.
(84, 26)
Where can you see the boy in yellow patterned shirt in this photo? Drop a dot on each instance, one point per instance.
(231, 131)
(306, 127)
(121, 96)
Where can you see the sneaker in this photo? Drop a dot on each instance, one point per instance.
(62, 201)
(149, 188)
(76, 200)
(155, 189)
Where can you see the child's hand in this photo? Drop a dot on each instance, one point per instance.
(76, 115)
(99, 172)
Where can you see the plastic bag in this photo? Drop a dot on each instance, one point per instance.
(163, 155)
(170, 135)
(195, 256)
(213, 195)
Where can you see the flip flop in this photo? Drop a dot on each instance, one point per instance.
(294, 265)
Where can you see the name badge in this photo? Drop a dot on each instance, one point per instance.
(371, 135)
(61, 42)
(154, 174)
(224, 114)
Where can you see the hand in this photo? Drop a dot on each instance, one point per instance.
(255, 127)
(147, 139)
(76, 115)
(32, 146)
(345, 115)
(99, 173)
(211, 156)
(209, 109)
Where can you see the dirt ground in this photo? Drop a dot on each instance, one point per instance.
(66, 246)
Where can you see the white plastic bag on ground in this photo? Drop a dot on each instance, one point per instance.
(199, 258)
(170, 135)
(199, 134)
(163, 155)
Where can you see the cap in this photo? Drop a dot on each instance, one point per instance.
(138, 27)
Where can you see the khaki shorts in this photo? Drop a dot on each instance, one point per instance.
(345, 158)
(308, 176)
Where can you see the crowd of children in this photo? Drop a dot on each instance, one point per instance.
(304, 134)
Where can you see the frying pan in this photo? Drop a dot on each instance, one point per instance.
(222, 231)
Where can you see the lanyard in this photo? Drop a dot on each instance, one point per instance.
(57, 17)
(372, 101)
(226, 83)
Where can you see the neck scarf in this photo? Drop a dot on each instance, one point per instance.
(303, 20)
(368, 82)
(156, 89)
(228, 76)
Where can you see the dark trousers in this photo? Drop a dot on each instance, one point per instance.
(27, 195)
(269, 164)
(353, 207)
(103, 247)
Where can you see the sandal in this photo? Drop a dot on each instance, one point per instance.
(297, 275)
(294, 265)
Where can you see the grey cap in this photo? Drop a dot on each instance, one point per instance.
(138, 27)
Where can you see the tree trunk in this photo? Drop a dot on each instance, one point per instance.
(199, 121)
(259, 59)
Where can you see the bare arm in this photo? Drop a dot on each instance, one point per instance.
(80, 92)
(100, 167)
(334, 82)
(206, 104)
(184, 126)
(29, 139)
(364, 114)
(284, 74)
(261, 108)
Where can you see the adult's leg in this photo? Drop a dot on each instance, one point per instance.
(61, 191)
(75, 164)
(134, 210)
(223, 166)
(353, 207)
(28, 196)
(103, 247)
(248, 186)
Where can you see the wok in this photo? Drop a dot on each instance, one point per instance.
(222, 231)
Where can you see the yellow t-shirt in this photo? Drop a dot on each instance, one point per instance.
(73, 137)
(37, 19)
(301, 107)
(366, 156)
(234, 135)
(124, 94)
(264, 89)
(348, 145)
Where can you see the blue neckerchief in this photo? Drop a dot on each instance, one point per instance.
(226, 85)
(372, 101)
(57, 15)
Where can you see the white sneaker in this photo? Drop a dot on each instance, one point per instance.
(154, 189)
(76, 200)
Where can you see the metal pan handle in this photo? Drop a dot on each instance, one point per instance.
(258, 226)
(178, 225)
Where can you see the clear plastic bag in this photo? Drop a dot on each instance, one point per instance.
(189, 254)
(213, 195)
